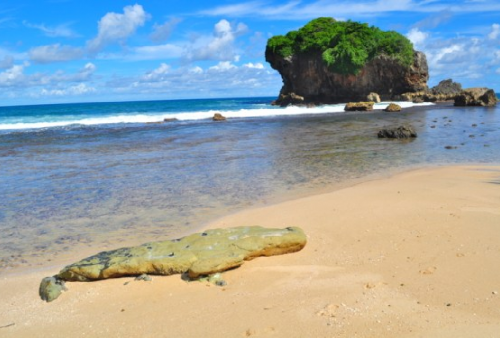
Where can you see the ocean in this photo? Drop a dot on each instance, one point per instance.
(95, 176)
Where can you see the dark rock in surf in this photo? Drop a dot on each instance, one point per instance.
(392, 108)
(476, 97)
(359, 106)
(218, 117)
(403, 132)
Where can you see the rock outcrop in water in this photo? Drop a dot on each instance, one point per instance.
(476, 97)
(200, 254)
(392, 108)
(402, 132)
(359, 106)
(317, 64)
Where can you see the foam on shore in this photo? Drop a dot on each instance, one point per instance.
(129, 118)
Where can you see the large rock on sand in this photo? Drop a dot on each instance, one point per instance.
(51, 288)
(197, 255)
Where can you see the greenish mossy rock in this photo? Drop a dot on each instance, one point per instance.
(51, 288)
(197, 255)
(402, 132)
(359, 106)
(393, 108)
(476, 97)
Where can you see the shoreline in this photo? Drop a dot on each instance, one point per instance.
(283, 197)
(290, 196)
(392, 257)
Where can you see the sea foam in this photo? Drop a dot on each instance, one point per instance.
(152, 117)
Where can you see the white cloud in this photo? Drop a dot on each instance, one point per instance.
(160, 52)
(13, 76)
(222, 79)
(79, 89)
(302, 10)
(55, 53)
(495, 31)
(417, 37)
(162, 32)
(496, 59)
(196, 70)
(16, 77)
(116, 27)
(220, 46)
(7, 62)
(157, 74)
(62, 31)
(84, 74)
(222, 66)
(257, 65)
(465, 59)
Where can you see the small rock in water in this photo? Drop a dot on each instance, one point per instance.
(51, 288)
(359, 106)
(450, 147)
(144, 277)
(218, 117)
(392, 107)
(399, 132)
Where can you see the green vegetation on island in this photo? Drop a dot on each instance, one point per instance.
(345, 46)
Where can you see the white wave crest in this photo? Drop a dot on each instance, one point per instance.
(192, 116)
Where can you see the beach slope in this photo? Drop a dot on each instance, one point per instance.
(415, 255)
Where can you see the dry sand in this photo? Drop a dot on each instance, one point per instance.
(416, 255)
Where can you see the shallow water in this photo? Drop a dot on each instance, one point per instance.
(65, 190)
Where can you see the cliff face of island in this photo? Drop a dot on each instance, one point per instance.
(308, 77)
(330, 62)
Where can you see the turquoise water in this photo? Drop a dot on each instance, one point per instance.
(95, 176)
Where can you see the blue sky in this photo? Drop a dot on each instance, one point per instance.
(55, 51)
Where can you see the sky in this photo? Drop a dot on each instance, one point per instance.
(58, 51)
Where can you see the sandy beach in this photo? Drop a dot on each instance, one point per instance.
(415, 255)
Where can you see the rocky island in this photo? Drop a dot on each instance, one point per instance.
(329, 61)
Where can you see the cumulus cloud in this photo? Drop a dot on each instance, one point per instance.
(79, 89)
(222, 66)
(220, 46)
(159, 52)
(84, 74)
(495, 32)
(222, 79)
(464, 58)
(15, 76)
(302, 10)
(417, 37)
(257, 65)
(55, 53)
(161, 33)
(60, 31)
(157, 74)
(6, 62)
(117, 27)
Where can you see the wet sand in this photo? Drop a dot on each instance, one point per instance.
(415, 255)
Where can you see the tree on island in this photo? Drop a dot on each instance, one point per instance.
(345, 46)
(329, 61)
